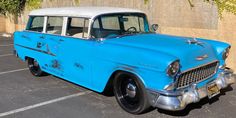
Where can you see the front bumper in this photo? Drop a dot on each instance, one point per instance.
(179, 99)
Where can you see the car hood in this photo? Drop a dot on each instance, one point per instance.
(180, 47)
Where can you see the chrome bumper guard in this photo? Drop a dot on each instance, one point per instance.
(178, 100)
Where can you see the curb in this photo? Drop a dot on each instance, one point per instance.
(7, 36)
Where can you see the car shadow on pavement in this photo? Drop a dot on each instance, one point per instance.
(184, 112)
(197, 105)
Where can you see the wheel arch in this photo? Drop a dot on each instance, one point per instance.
(26, 58)
(109, 85)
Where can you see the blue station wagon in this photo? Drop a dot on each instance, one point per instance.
(115, 51)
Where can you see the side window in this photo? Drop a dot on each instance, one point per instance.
(35, 23)
(77, 27)
(54, 25)
(96, 24)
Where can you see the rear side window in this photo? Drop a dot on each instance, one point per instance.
(54, 25)
(77, 27)
(35, 23)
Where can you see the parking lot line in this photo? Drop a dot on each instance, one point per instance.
(43, 103)
(6, 45)
(11, 71)
(5, 55)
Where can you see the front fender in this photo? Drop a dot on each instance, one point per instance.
(149, 65)
(134, 57)
(151, 79)
(219, 48)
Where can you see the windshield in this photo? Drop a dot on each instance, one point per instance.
(114, 25)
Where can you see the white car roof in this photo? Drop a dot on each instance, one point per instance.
(89, 12)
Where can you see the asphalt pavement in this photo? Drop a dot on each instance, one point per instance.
(25, 96)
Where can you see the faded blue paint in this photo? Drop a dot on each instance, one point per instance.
(90, 63)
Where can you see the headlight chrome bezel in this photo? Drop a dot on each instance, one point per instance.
(173, 69)
(226, 53)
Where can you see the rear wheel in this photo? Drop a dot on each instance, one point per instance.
(130, 93)
(35, 68)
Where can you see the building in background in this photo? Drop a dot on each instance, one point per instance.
(173, 16)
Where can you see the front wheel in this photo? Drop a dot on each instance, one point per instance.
(130, 93)
(35, 68)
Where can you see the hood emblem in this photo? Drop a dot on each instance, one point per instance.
(199, 58)
(195, 42)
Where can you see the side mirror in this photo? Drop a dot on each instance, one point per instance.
(154, 27)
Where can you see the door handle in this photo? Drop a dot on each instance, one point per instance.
(39, 45)
(42, 37)
(23, 36)
(61, 40)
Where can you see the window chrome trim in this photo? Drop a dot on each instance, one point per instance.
(45, 24)
(64, 26)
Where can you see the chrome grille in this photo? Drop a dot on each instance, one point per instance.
(197, 74)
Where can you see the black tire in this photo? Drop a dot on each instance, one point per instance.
(130, 93)
(34, 68)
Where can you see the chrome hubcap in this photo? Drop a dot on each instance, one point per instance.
(131, 90)
(35, 63)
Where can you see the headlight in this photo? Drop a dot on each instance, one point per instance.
(173, 68)
(226, 53)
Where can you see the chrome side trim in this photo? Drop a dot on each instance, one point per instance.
(45, 52)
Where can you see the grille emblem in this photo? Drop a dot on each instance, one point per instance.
(199, 58)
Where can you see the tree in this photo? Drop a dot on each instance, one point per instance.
(16, 7)
(222, 5)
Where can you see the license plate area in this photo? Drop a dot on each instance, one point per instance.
(212, 89)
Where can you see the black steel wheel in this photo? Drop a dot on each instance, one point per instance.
(130, 93)
(35, 68)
